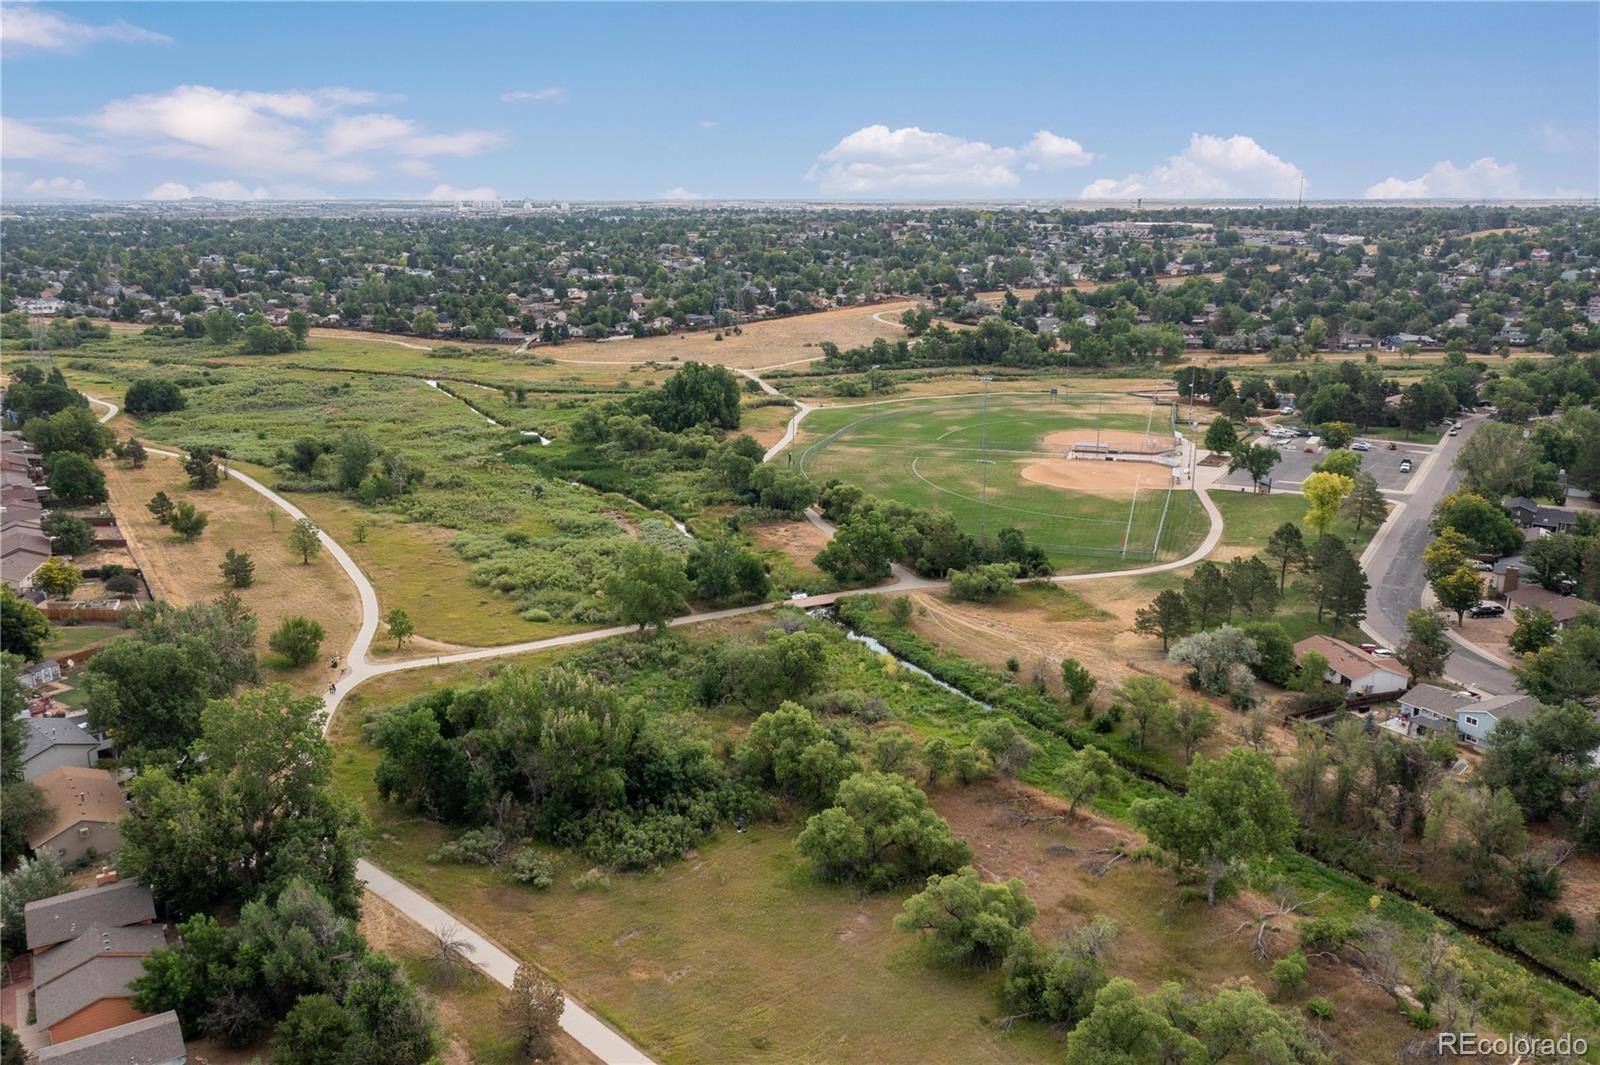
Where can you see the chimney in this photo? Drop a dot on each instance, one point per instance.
(1511, 580)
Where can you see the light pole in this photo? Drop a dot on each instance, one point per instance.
(983, 449)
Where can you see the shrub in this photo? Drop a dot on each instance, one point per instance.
(1319, 1007)
(480, 846)
(528, 866)
(591, 880)
(1289, 972)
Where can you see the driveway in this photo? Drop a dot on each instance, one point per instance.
(1393, 563)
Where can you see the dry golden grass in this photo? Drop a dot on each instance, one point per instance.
(187, 573)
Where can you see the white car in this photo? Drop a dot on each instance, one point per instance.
(1381, 652)
(1405, 465)
(1360, 445)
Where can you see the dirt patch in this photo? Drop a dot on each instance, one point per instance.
(798, 541)
(1098, 476)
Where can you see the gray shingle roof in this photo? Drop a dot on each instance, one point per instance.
(100, 978)
(154, 1040)
(47, 732)
(63, 917)
(1439, 700)
(137, 939)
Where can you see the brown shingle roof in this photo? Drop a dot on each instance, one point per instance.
(136, 940)
(63, 917)
(1346, 659)
(95, 980)
(76, 794)
(154, 1040)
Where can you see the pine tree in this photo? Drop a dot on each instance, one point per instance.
(1366, 503)
(532, 1009)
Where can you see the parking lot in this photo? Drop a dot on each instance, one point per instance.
(1296, 464)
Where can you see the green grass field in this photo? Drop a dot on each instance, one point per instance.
(949, 455)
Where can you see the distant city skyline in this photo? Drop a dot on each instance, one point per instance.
(690, 102)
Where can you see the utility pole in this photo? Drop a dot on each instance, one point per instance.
(983, 505)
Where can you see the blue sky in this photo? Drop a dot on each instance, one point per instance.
(821, 101)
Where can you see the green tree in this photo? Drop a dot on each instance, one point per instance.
(73, 478)
(160, 507)
(57, 577)
(1477, 519)
(153, 395)
(186, 521)
(937, 759)
(74, 430)
(648, 587)
(1337, 435)
(237, 569)
(1536, 629)
(1458, 590)
(32, 879)
(135, 453)
(1255, 459)
(966, 921)
(1498, 461)
(1365, 504)
(1251, 586)
(1167, 617)
(1148, 703)
(1192, 724)
(1087, 777)
(147, 697)
(398, 624)
(1221, 437)
(1235, 810)
(1346, 590)
(305, 540)
(1209, 597)
(1543, 762)
(221, 326)
(1343, 463)
(24, 629)
(353, 457)
(1427, 645)
(200, 463)
(861, 551)
(1079, 682)
(1008, 750)
(299, 327)
(1325, 493)
(298, 639)
(880, 833)
(314, 1032)
(425, 324)
(69, 535)
(256, 811)
(531, 1010)
(1124, 1028)
(1287, 548)
(390, 1022)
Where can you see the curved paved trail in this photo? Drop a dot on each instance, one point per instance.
(601, 1040)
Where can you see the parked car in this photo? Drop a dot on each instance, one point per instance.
(1405, 465)
(1483, 567)
(1381, 652)
(1486, 610)
(1360, 445)
(1455, 432)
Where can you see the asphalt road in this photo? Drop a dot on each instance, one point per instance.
(1393, 563)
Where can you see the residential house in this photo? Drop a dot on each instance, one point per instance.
(156, 1040)
(90, 998)
(1429, 708)
(62, 918)
(1561, 607)
(85, 805)
(38, 674)
(52, 742)
(1530, 515)
(1352, 669)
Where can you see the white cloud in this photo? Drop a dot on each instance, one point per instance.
(417, 168)
(878, 159)
(25, 27)
(1555, 138)
(680, 193)
(553, 94)
(57, 188)
(450, 192)
(1485, 178)
(214, 190)
(20, 140)
(708, 123)
(1212, 168)
(273, 134)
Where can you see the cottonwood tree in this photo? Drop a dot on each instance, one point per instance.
(1192, 724)
(1087, 777)
(1325, 494)
(398, 624)
(24, 628)
(1079, 682)
(1426, 646)
(1448, 552)
(1536, 629)
(1148, 702)
(305, 540)
(880, 833)
(1235, 810)
(531, 1009)
(1458, 590)
(1255, 459)
(648, 587)
(965, 920)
